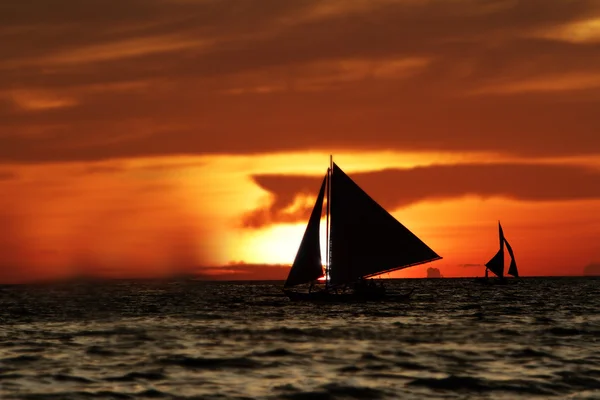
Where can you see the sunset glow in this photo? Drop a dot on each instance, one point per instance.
(186, 137)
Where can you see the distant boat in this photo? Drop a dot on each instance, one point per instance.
(496, 263)
(362, 240)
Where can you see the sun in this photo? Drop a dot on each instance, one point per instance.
(277, 244)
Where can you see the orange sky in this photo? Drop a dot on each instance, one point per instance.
(167, 136)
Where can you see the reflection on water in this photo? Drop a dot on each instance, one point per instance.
(190, 339)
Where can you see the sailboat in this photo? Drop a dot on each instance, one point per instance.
(362, 241)
(496, 263)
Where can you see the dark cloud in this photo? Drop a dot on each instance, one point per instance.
(395, 188)
(243, 271)
(97, 22)
(159, 77)
(7, 175)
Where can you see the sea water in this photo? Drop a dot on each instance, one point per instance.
(190, 339)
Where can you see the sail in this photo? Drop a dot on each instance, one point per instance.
(307, 265)
(496, 264)
(512, 269)
(365, 239)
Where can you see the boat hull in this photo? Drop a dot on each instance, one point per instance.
(332, 297)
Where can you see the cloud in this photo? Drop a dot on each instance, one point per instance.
(8, 175)
(396, 188)
(469, 265)
(39, 101)
(165, 77)
(243, 271)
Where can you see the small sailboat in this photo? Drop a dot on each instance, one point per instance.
(362, 241)
(496, 263)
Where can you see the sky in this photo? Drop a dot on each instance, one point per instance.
(154, 137)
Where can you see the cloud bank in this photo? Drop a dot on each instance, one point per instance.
(163, 77)
(396, 188)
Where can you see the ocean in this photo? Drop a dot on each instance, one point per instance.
(186, 339)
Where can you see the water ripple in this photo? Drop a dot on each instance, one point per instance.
(207, 340)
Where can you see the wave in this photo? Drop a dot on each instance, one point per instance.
(212, 363)
(135, 376)
(279, 352)
(473, 384)
(102, 394)
(22, 359)
(528, 352)
(333, 391)
(100, 351)
(192, 342)
(70, 378)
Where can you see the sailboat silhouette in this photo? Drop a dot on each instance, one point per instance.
(496, 263)
(363, 240)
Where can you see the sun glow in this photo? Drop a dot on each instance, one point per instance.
(277, 244)
(149, 216)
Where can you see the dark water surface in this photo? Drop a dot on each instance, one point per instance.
(539, 339)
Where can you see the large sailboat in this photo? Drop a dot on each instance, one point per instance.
(362, 240)
(496, 263)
